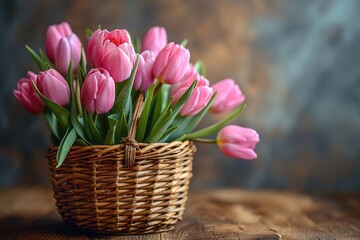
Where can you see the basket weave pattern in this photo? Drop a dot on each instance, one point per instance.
(94, 189)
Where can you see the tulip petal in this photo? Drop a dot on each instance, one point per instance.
(63, 55)
(118, 64)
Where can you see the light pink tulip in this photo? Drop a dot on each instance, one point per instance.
(53, 35)
(27, 95)
(228, 96)
(155, 40)
(69, 48)
(144, 77)
(189, 77)
(171, 64)
(62, 45)
(98, 92)
(198, 98)
(53, 86)
(112, 51)
(238, 142)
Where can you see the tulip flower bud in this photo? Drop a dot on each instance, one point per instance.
(53, 86)
(27, 95)
(228, 96)
(62, 45)
(112, 51)
(190, 75)
(238, 142)
(198, 98)
(155, 40)
(171, 64)
(53, 35)
(144, 77)
(98, 91)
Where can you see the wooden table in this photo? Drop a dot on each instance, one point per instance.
(29, 213)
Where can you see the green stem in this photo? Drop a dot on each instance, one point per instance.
(203, 140)
(77, 98)
(95, 118)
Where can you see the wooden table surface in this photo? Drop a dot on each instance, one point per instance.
(29, 213)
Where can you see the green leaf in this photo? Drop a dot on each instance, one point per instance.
(121, 126)
(65, 145)
(61, 113)
(184, 42)
(95, 133)
(70, 78)
(187, 124)
(78, 127)
(143, 120)
(74, 112)
(166, 119)
(82, 64)
(137, 45)
(161, 102)
(122, 100)
(52, 123)
(39, 62)
(88, 32)
(80, 142)
(124, 128)
(200, 68)
(45, 60)
(110, 136)
(217, 126)
(167, 133)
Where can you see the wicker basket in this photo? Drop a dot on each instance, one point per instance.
(115, 189)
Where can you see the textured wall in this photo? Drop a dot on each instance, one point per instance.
(297, 62)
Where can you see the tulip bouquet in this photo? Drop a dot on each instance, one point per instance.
(87, 95)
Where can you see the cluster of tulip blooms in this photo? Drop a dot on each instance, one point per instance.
(95, 106)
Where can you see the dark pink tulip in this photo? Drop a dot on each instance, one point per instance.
(228, 96)
(155, 40)
(144, 77)
(62, 45)
(238, 142)
(27, 95)
(53, 86)
(198, 98)
(112, 51)
(98, 92)
(171, 64)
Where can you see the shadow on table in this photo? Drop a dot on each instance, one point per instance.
(18, 227)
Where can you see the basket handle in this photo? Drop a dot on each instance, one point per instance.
(131, 145)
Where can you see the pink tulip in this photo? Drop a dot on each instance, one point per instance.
(238, 142)
(98, 92)
(27, 95)
(189, 77)
(144, 77)
(198, 98)
(228, 96)
(112, 51)
(171, 64)
(155, 40)
(53, 35)
(53, 86)
(62, 45)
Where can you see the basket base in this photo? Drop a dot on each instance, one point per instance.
(121, 231)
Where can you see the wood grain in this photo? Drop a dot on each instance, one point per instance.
(29, 213)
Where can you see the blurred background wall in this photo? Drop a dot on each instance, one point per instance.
(297, 61)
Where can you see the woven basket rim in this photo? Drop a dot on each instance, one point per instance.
(122, 144)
